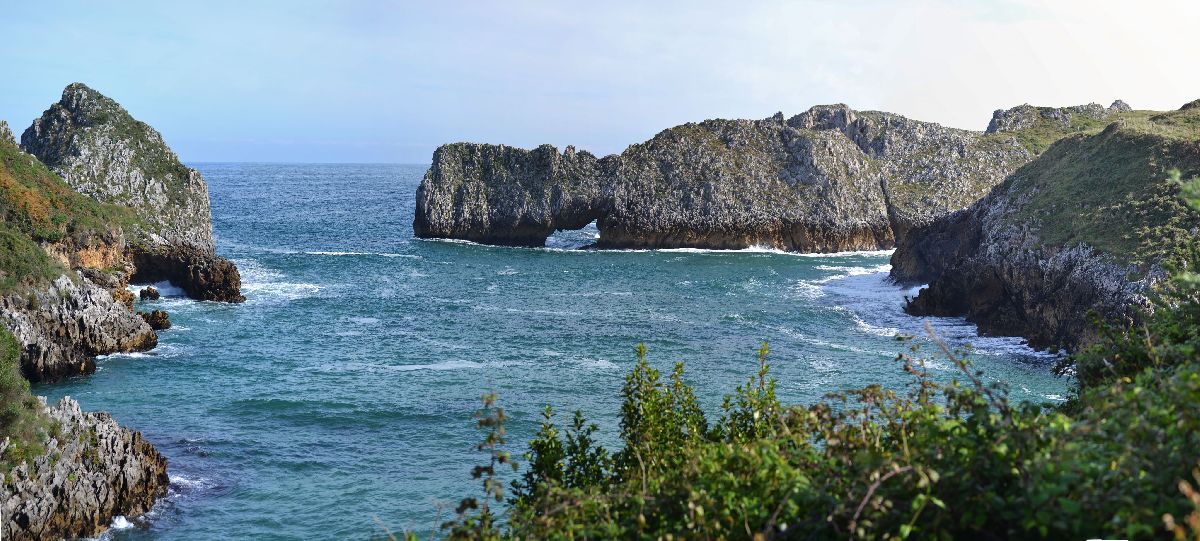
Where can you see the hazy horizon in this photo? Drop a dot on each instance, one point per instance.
(375, 82)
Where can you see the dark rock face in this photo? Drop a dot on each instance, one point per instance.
(149, 294)
(201, 275)
(830, 179)
(63, 327)
(157, 319)
(1083, 228)
(95, 470)
(533, 193)
(103, 152)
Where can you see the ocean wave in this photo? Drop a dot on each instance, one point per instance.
(121, 523)
(260, 283)
(165, 288)
(162, 351)
(352, 253)
(847, 272)
(716, 251)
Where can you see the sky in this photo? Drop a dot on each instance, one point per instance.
(373, 81)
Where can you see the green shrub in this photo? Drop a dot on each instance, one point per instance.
(929, 461)
(22, 419)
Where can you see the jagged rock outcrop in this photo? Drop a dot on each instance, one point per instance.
(1027, 116)
(157, 319)
(200, 275)
(1084, 227)
(103, 152)
(63, 327)
(829, 179)
(149, 294)
(92, 470)
(6, 134)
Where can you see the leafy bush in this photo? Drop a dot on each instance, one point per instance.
(22, 420)
(928, 461)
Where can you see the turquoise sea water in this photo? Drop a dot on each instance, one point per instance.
(339, 396)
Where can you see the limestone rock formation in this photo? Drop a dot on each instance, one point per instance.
(157, 319)
(149, 294)
(829, 179)
(1027, 116)
(93, 470)
(103, 152)
(1084, 227)
(63, 327)
(202, 276)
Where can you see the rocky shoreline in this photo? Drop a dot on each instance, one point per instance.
(93, 470)
(830, 179)
(153, 223)
(1083, 229)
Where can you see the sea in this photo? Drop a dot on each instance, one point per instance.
(337, 401)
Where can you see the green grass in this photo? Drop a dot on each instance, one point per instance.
(22, 419)
(1044, 132)
(1112, 190)
(36, 206)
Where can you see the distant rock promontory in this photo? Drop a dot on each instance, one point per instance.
(829, 179)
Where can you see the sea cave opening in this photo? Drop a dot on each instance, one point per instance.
(574, 239)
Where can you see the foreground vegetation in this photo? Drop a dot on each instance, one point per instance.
(930, 461)
(24, 426)
(37, 207)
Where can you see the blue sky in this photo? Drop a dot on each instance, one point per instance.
(389, 81)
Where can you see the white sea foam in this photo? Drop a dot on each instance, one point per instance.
(121, 523)
(260, 283)
(806, 290)
(381, 367)
(603, 364)
(165, 288)
(715, 251)
(351, 253)
(162, 351)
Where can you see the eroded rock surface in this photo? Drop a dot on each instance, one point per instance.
(829, 179)
(1083, 228)
(103, 152)
(63, 327)
(92, 471)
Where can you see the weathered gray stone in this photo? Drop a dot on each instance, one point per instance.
(829, 179)
(63, 327)
(92, 471)
(1006, 264)
(103, 152)
(6, 134)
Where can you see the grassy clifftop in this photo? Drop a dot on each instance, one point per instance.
(1113, 190)
(36, 206)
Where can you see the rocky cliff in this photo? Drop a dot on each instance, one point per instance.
(63, 272)
(93, 470)
(1084, 227)
(829, 179)
(104, 153)
(64, 326)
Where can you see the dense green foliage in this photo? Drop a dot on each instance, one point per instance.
(36, 206)
(22, 421)
(940, 461)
